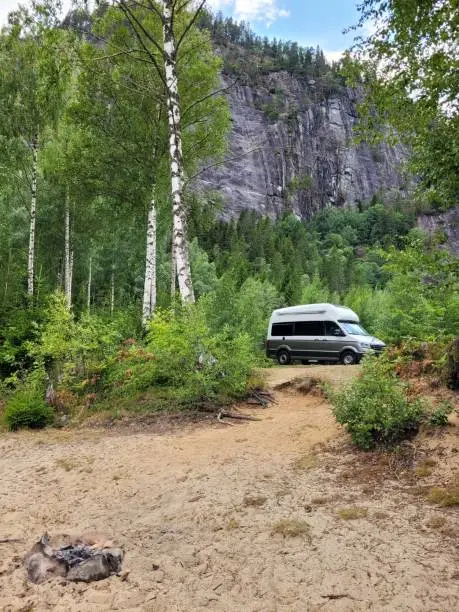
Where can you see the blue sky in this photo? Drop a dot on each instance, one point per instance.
(309, 22)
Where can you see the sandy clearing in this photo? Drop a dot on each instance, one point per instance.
(184, 502)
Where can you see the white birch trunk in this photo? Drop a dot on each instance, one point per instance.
(70, 278)
(33, 220)
(179, 237)
(112, 291)
(88, 297)
(67, 272)
(173, 271)
(149, 288)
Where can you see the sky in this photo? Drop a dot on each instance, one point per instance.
(308, 22)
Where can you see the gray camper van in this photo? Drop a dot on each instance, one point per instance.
(318, 332)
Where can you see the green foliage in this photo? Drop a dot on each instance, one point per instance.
(243, 310)
(203, 271)
(422, 293)
(374, 408)
(27, 407)
(271, 110)
(247, 54)
(416, 93)
(439, 417)
(63, 338)
(299, 183)
(184, 361)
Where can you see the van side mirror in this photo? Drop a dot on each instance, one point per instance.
(337, 332)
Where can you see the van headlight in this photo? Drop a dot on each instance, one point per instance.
(364, 346)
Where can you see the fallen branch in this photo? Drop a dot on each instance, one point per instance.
(219, 419)
(264, 398)
(12, 540)
(236, 415)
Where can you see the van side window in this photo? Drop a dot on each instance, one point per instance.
(309, 328)
(282, 329)
(333, 329)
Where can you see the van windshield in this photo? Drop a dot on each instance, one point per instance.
(354, 328)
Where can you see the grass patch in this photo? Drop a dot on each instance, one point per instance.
(254, 501)
(291, 528)
(436, 522)
(321, 501)
(352, 513)
(232, 524)
(423, 472)
(428, 463)
(305, 463)
(67, 463)
(444, 496)
(82, 464)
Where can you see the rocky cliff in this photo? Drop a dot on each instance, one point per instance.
(445, 223)
(291, 148)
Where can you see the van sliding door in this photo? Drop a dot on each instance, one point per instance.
(310, 340)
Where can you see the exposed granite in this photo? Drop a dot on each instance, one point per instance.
(294, 132)
(447, 223)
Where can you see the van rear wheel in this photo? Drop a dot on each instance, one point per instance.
(283, 357)
(348, 358)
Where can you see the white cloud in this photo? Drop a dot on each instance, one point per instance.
(333, 56)
(252, 10)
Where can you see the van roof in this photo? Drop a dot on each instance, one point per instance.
(333, 310)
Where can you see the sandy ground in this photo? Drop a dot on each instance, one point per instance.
(197, 513)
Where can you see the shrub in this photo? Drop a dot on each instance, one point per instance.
(374, 408)
(439, 418)
(27, 407)
(184, 360)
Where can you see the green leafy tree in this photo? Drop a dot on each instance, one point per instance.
(411, 67)
(34, 71)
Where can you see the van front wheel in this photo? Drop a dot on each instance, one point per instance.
(348, 358)
(283, 357)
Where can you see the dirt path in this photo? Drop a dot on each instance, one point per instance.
(203, 507)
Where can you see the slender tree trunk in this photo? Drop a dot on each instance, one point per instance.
(173, 271)
(112, 291)
(71, 278)
(60, 274)
(179, 236)
(33, 219)
(7, 278)
(67, 272)
(88, 297)
(149, 290)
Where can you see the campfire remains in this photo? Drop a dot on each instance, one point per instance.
(85, 559)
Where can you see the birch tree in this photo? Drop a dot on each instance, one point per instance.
(180, 248)
(161, 30)
(68, 264)
(124, 97)
(149, 292)
(31, 78)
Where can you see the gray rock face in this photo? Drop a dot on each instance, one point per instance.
(302, 155)
(446, 223)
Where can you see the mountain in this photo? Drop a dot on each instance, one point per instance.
(292, 149)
